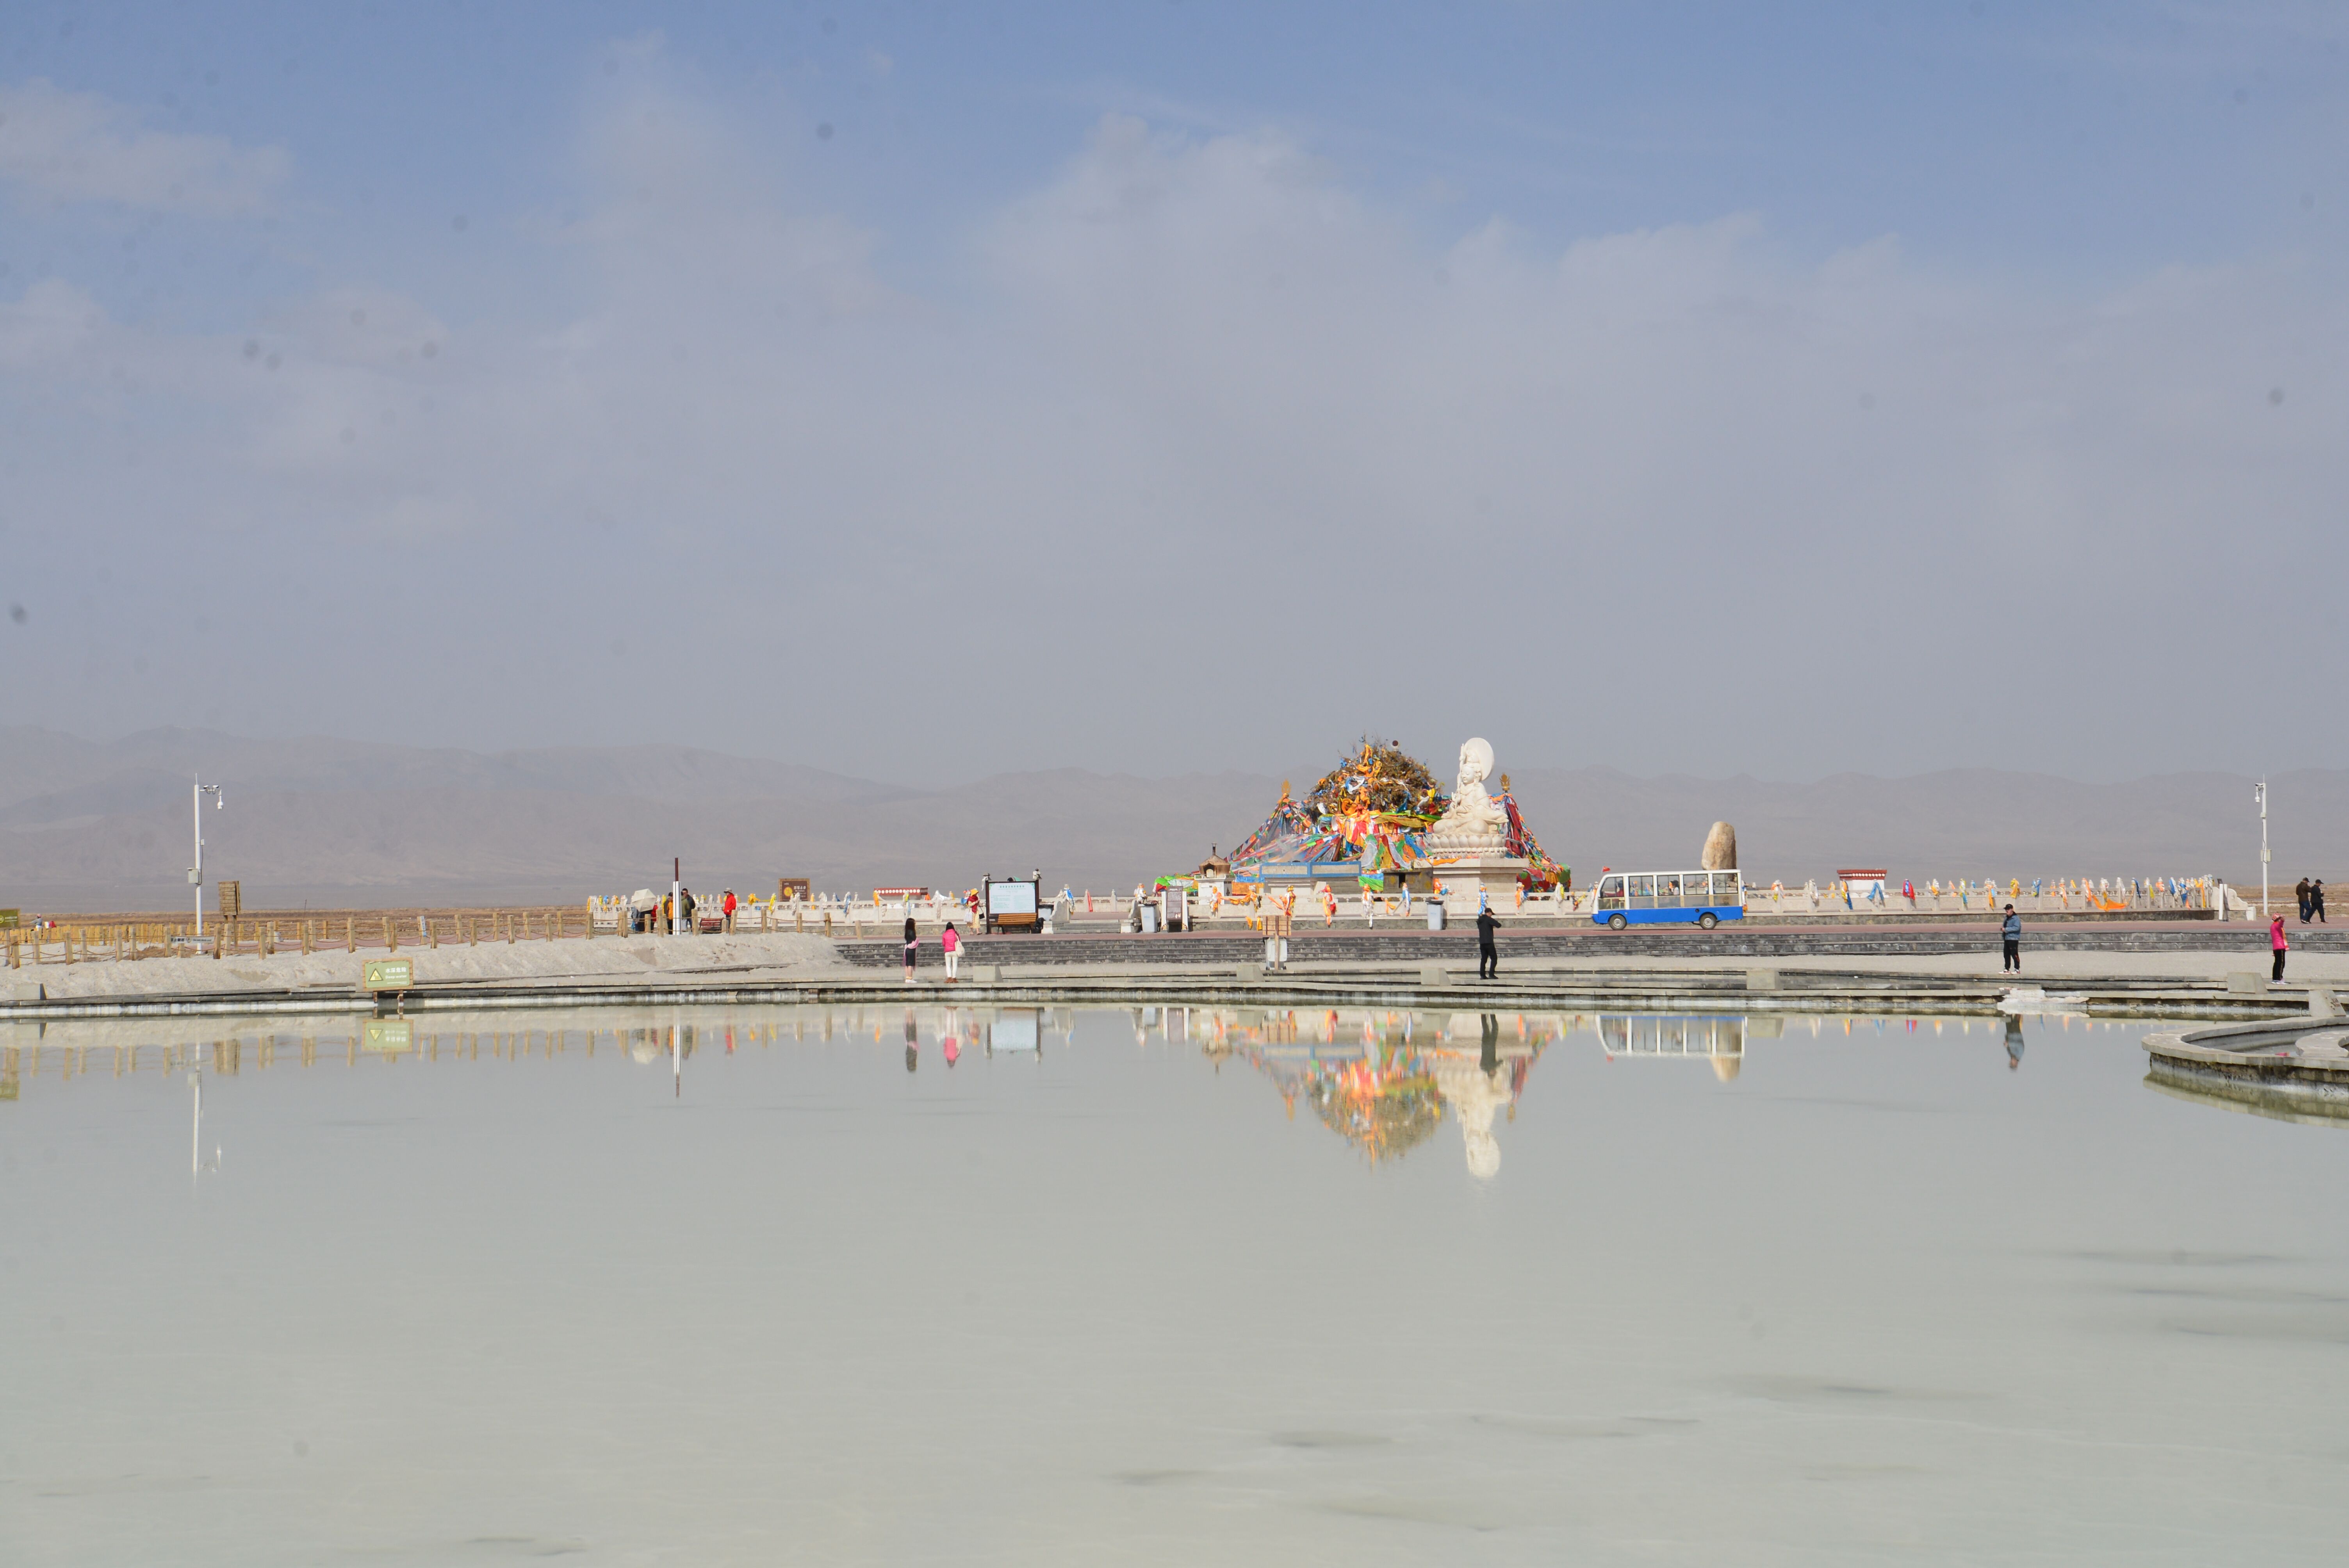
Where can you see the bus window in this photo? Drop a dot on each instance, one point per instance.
(1668, 892)
(1643, 891)
(1724, 887)
(1610, 892)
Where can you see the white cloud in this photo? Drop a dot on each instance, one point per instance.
(48, 325)
(81, 146)
(1671, 496)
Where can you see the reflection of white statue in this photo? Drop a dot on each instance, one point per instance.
(1474, 1096)
(1473, 820)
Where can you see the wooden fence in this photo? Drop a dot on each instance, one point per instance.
(87, 942)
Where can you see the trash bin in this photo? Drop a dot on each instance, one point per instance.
(1149, 911)
(1435, 915)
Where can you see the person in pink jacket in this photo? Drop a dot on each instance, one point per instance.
(2276, 940)
(951, 940)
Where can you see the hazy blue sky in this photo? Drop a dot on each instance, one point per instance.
(925, 390)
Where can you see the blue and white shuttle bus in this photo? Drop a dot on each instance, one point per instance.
(1661, 898)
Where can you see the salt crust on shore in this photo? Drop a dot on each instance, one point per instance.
(782, 955)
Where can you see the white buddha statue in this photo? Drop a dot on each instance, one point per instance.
(1473, 823)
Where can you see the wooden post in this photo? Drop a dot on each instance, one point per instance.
(390, 935)
(431, 937)
(350, 934)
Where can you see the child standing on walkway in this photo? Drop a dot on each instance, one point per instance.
(2276, 940)
(952, 942)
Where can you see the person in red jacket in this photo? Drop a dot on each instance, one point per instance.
(2276, 940)
(730, 912)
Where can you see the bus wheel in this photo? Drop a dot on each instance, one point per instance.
(1616, 921)
(1708, 920)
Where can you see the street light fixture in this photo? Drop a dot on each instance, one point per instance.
(196, 872)
(2260, 794)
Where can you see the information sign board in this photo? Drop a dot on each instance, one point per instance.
(388, 974)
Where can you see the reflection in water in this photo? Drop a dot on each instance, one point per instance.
(196, 1163)
(1721, 1041)
(1383, 1081)
(485, 1297)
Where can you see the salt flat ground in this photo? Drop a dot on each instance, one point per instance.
(758, 1285)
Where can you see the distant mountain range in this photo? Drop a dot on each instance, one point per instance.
(105, 825)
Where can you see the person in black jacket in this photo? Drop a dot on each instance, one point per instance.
(2012, 932)
(1488, 957)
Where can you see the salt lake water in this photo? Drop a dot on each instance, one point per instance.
(1127, 1287)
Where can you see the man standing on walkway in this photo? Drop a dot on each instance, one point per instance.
(1488, 956)
(2316, 900)
(2011, 934)
(2299, 892)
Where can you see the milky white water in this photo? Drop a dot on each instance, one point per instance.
(1199, 1289)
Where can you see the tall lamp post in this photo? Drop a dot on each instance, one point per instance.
(2260, 794)
(196, 872)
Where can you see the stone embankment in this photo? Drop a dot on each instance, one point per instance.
(1736, 940)
(2143, 971)
(330, 980)
(2295, 1069)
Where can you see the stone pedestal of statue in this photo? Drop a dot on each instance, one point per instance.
(1473, 836)
(1496, 876)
